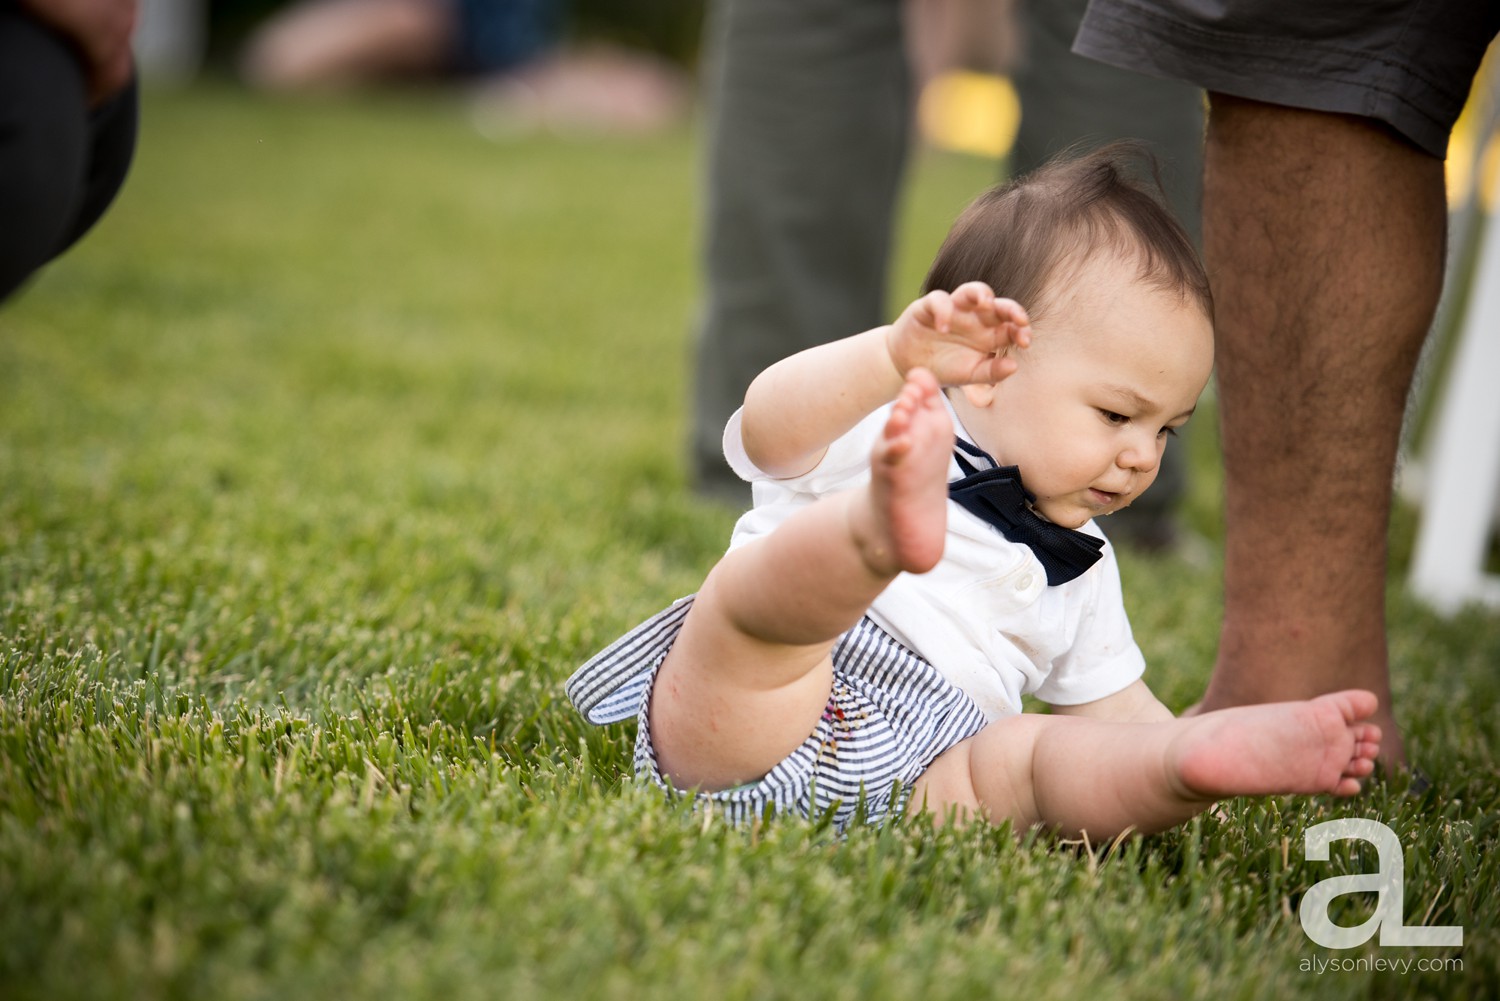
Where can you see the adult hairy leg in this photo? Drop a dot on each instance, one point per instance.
(1324, 237)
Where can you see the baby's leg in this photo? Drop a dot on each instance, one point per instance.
(750, 673)
(1074, 774)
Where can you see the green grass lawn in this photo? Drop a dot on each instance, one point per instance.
(327, 457)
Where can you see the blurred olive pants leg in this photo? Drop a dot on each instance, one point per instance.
(1068, 99)
(810, 105)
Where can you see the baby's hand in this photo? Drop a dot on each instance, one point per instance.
(963, 337)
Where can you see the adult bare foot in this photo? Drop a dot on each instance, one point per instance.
(902, 524)
(1323, 745)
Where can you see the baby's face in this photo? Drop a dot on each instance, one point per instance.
(1115, 368)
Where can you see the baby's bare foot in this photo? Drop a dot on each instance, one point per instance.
(1323, 745)
(901, 521)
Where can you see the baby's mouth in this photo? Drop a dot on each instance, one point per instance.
(1104, 498)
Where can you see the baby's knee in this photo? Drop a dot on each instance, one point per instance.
(945, 792)
(1002, 766)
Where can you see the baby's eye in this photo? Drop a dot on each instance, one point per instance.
(1167, 433)
(1110, 417)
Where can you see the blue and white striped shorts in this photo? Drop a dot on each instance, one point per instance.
(890, 714)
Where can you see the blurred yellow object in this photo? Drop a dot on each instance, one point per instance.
(1470, 175)
(968, 112)
(1459, 167)
(1473, 164)
(1489, 175)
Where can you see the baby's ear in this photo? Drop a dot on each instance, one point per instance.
(979, 394)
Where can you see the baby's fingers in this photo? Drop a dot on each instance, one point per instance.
(1006, 316)
(975, 297)
(995, 368)
(1013, 316)
(934, 310)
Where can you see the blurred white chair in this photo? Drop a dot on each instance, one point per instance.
(1460, 478)
(1462, 485)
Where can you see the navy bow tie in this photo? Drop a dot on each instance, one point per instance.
(997, 496)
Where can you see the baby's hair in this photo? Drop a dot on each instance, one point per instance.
(1018, 236)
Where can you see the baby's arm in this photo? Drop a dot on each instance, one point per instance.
(1135, 703)
(796, 408)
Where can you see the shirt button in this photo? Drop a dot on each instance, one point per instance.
(1024, 582)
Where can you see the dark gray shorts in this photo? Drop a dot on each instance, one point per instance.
(1408, 63)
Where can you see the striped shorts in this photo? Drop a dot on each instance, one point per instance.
(890, 713)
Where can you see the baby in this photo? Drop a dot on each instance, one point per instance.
(863, 647)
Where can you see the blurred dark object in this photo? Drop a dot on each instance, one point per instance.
(67, 132)
(671, 29)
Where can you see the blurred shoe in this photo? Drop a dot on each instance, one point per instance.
(592, 91)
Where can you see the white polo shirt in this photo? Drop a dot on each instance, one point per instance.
(984, 616)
